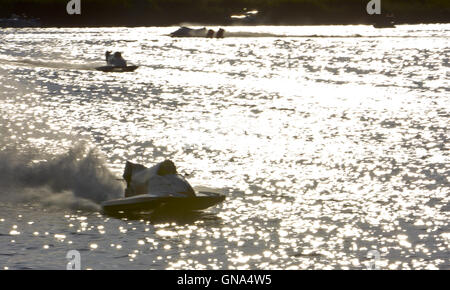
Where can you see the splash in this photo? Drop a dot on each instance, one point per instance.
(77, 179)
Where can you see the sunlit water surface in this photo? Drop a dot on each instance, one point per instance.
(328, 142)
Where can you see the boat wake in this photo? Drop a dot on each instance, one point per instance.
(245, 34)
(49, 64)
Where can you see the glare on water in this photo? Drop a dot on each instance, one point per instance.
(329, 142)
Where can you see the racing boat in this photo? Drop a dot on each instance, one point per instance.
(189, 32)
(149, 203)
(159, 189)
(200, 32)
(109, 68)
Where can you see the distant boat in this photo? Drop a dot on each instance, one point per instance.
(189, 32)
(19, 21)
(246, 17)
(200, 32)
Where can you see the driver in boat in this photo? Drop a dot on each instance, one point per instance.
(115, 60)
(159, 180)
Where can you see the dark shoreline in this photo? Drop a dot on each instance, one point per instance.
(138, 13)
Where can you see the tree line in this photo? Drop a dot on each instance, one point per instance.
(270, 12)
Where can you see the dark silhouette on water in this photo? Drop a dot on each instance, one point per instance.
(384, 21)
(220, 33)
(210, 33)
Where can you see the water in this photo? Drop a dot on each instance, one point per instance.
(329, 142)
